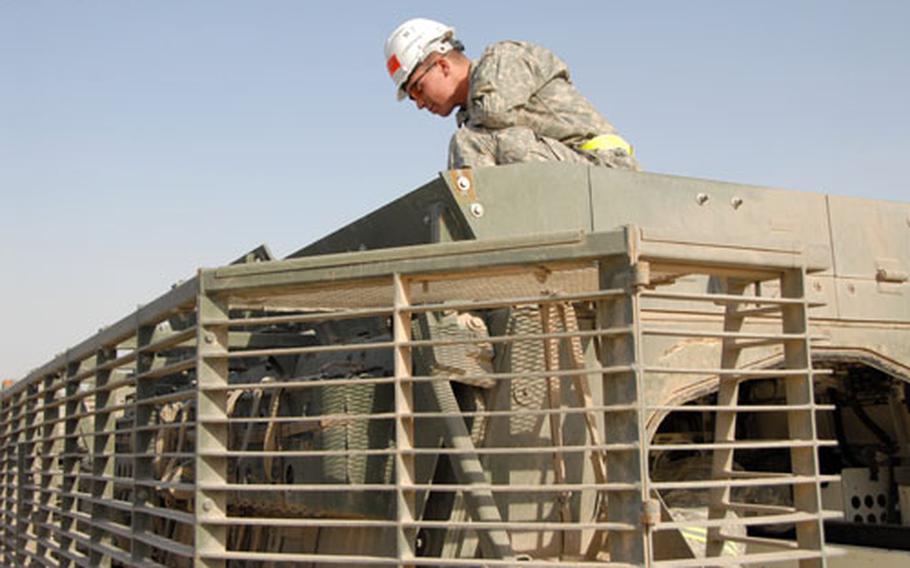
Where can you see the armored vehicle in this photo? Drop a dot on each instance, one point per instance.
(534, 365)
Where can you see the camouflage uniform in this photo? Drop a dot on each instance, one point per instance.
(522, 107)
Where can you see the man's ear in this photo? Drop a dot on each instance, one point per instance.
(445, 66)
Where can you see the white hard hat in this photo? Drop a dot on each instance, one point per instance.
(411, 43)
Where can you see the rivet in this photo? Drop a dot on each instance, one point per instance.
(701, 198)
(736, 202)
(207, 505)
(463, 183)
(477, 210)
(209, 338)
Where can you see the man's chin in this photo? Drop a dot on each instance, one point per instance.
(443, 113)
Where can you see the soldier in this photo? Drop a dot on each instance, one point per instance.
(515, 104)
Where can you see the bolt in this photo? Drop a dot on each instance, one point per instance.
(209, 338)
(701, 198)
(463, 183)
(207, 505)
(477, 210)
(736, 202)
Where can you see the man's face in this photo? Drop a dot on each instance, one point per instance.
(432, 86)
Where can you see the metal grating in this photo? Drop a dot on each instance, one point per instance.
(479, 412)
(99, 453)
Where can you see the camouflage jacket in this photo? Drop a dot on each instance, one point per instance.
(517, 83)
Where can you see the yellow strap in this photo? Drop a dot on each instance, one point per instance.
(700, 534)
(606, 142)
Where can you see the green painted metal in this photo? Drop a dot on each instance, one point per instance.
(684, 288)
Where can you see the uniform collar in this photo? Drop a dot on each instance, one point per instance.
(463, 116)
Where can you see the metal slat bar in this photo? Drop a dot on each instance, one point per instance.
(802, 426)
(211, 540)
(149, 428)
(464, 306)
(773, 542)
(405, 502)
(323, 316)
(509, 339)
(170, 514)
(622, 388)
(346, 487)
(163, 485)
(68, 488)
(759, 508)
(745, 445)
(155, 372)
(745, 408)
(47, 463)
(316, 383)
(102, 459)
(6, 449)
(340, 348)
(728, 483)
(308, 350)
(726, 299)
(143, 469)
(177, 455)
(744, 559)
(166, 544)
(353, 560)
(670, 332)
(162, 342)
(157, 426)
(512, 526)
(505, 450)
(543, 299)
(788, 518)
(166, 398)
(645, 495)
(731, 372)
(429, 416)
(27, 446)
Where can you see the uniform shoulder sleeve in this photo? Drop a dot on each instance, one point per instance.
(505, 78)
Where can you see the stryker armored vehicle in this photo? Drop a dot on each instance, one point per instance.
(532, 365)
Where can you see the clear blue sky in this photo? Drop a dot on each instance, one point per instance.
(141, 140)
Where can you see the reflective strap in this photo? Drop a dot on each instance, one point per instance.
(700, 534)
(606, 142)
